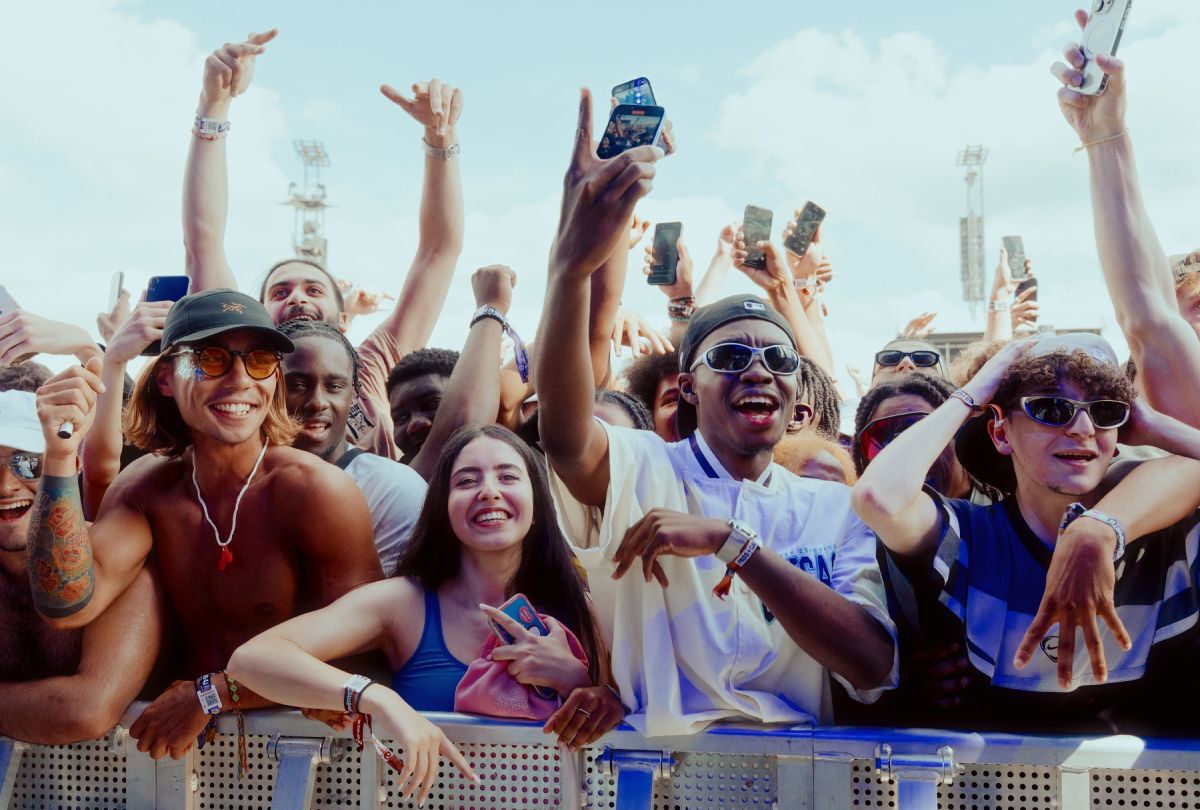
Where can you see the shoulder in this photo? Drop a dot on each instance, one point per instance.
(149, 475)
(368, 468)
(302, 470)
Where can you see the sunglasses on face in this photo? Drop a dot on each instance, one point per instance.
(894, 357)
(1105, 414)
(215, 361)
(879, 433)
(734, 358)
(26, 466)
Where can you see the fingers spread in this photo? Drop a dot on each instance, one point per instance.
(1033, 636)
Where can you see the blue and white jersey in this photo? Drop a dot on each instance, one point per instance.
(681, 657)
(991, 569)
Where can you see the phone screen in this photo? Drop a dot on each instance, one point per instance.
(806, 229)
(1016, 256)
(635, 92)
(165, 288)
(756, 227)
(1025, 285)
(666, 253)
(629, 127)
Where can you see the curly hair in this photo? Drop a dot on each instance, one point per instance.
(968, 362)
(643, 375)
(1047, 373)
(817, 388)
(28, 376)
(300, 328)
(637, 411)
(422, 361)
(795, 449)
(934, 390)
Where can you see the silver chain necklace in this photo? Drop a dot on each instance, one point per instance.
(226, 555)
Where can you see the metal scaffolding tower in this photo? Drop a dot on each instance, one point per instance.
(970, 227)
(308, 236)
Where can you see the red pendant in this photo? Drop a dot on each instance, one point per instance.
(226, 558)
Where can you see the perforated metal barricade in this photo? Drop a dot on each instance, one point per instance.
(298, 763)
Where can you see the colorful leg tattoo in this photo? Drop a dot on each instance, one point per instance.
(60, 553)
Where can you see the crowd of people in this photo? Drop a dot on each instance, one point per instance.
(270, 515)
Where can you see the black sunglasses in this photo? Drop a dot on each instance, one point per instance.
(1105, 414)
(734, 358)
(921, 359)
(215, 361)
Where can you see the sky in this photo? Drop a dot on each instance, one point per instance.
(860, 107)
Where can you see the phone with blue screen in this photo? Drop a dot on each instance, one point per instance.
(520, 610)
(636, 91)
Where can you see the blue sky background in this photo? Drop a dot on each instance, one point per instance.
(858, 106)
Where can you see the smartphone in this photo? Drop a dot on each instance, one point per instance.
(114, 289)
(630, 126)
(1016, 256)
(666, 253)
(7, 304)
(802, 235)
(521, 611)
(636, 92)
(756, 227)
(1030, 281)
(1102, 35)
(165, 288)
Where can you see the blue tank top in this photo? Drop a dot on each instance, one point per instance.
(427, 680)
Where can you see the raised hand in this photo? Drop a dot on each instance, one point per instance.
(682, 288)
(919, 326)
(229, 69)
(808, 265)
(107, 322)
(493, 287)
(23, 335)
(726, 238)
(1025, 309)
(629, 329)
(1002, 283)
(598, 200)
(434, 105)
(361, 302)
(637, 230)
(982, 387)
(774, 278)
(69, 396)
(141, 329)
(1092, 117)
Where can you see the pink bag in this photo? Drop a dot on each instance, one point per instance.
(488, 689)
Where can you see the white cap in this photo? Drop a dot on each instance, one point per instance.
(19, 425)
(1092, 345)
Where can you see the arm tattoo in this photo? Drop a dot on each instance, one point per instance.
(60, 552)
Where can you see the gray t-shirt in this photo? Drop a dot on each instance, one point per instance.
(395, 494)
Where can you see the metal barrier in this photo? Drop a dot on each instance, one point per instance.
(298, 763)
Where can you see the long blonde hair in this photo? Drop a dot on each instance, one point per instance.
(152, 420)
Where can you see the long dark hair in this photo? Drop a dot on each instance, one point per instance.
(547, 573)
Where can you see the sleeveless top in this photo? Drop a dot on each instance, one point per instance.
(427, 680)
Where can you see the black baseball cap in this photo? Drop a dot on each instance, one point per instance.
(707, 320)
(212, 312)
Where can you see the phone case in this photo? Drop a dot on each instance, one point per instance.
(665, 273)
(521, 610)
(628, 127)
(802, 235)
(1016, 256)
(1102, 35)
(636, 91)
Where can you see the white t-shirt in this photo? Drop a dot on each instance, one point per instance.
(682, 658)
(395, 493)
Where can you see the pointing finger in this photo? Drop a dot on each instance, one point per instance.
(263, 38)
(396, 97)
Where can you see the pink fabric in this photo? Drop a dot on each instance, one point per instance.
(488, 689)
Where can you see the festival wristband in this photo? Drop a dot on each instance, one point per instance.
(520, 353)
(352, 692)
(206, 693)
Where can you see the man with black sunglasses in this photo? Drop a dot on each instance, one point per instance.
(904, 356)
(59, 686)
(752, 585)
(1040, 422)
(245, 531)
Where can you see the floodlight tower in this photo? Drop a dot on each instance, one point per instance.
(308, 236)
(970, 227)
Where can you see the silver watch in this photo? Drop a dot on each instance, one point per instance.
(739, 535)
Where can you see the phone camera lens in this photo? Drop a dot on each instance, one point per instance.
(1098, 6)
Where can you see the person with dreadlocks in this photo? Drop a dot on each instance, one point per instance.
(322, 380)
(818, 391)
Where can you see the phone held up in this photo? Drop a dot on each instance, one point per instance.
(811, 217)
(666, 253)
(1030, 282)
(630, 126)
(756, 227)
(114, 289)
(1015, 247)
(636, 92)
(1102, 35)
(165, 288)
(520, 610)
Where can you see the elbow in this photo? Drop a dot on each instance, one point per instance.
(871, 503)
(876, 665)
(241, 663)
(93, 721)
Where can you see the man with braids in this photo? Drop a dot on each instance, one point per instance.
(322, 380)
(1022, 578)
(225, 507)
(818, 391)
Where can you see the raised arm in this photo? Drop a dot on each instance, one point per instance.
(76, 571)
(718, 267)
(101, 452)
(437, 107)
(1163, 345)
(598, 201)
(23, 334)
(227, 73)
(119, 650)
(889, 495)
(472, 395)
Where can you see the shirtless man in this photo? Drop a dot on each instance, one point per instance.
(220, 505)
(59, 686)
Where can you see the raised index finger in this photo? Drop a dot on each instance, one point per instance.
(263, 38)
(514, 628)
(584, 144)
